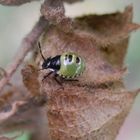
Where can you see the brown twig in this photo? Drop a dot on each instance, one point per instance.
(27, 44)
(20, 2)
(15, 106)
(53, 10)
(15, 2)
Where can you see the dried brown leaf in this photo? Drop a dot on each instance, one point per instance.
(6, 97)
(14, 91)
(84, 113)
(30, 75)
(31, 82)
(15, 106)
(26, 116)
(23, 116)
(95, 107)
(110, 33)
(27, 120)
(92, 108)
(108, 29)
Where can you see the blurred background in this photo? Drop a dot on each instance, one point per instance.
(16, 22)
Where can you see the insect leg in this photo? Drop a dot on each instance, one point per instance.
(47, 75)
(58, 81)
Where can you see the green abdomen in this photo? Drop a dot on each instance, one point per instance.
(70, 69)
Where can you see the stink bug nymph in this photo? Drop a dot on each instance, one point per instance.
(67, 66)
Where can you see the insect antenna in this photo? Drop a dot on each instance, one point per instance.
(39, 46)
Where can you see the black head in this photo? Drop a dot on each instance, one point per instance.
(52, 63)
(46, 63)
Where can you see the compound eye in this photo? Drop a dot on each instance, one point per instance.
(70, 58)
(77, 60)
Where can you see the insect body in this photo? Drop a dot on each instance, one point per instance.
(68, 65)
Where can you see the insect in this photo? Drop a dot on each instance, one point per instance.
(67, 66)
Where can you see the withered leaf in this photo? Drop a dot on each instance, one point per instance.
(110, 33)
(31, 82)
(86, 114)
(24, 111)
(30, 75)
(95, 107)
(15, 106)
(21, 115)
(110, 28)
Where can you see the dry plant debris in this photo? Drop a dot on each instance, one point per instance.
(93, 108)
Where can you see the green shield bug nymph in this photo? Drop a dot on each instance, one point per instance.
(68, 65)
